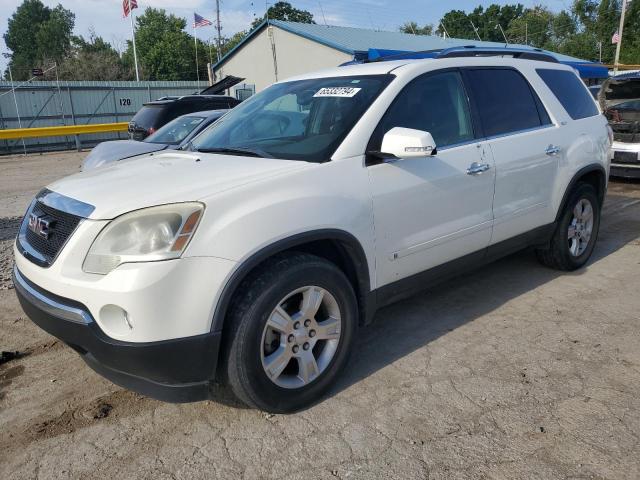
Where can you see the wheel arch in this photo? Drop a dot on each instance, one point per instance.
(337, 246)
(594, 175)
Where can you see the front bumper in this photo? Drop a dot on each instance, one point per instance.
(624, 170)
(177, 370)
(626, 160)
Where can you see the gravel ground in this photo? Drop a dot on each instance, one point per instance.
(513, 371)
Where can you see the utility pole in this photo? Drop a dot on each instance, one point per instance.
(619, 44)
(600, 51)
(526, 33)
(218, 29)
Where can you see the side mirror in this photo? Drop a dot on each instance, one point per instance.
(407, 143)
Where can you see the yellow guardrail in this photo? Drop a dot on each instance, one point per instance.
(62, 131)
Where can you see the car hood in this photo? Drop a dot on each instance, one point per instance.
(615, 91)
(113, 151)
(172, 176)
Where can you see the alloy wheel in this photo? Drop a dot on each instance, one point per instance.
(580, 227)
(301, 337)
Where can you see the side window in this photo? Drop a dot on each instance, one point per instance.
(505, 101)
(570, 92)
(435, 103)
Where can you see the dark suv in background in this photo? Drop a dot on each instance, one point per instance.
(154, 115)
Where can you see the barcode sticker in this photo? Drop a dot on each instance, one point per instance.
(345, 92)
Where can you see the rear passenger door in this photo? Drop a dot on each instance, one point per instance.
(526, 148)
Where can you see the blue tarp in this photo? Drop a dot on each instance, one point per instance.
(586, 69)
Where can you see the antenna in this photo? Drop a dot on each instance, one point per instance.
(503, 35)
(475, 29)
(445, 34)
(370, 20)
(322, 11)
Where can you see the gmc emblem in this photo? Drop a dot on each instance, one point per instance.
(41, 226)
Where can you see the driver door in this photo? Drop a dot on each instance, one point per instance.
(431, 210)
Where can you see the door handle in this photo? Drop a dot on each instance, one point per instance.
(477, 168)
(552, 150)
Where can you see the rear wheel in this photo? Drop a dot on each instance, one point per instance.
(291, 330)
(576, 233)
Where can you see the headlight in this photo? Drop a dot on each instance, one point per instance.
(147, 235)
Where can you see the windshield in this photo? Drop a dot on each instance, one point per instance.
(300, 120)
(175, 131)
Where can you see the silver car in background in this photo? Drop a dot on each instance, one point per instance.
(619, 99)
(174, 134)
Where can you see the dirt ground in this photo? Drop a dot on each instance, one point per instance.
(514, 371)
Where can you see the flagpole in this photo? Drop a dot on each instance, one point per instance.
(195, 41)
(133, 37)
(619, 44)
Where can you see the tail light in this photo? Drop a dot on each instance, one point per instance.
(151, 130)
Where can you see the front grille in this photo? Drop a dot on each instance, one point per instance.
(625, 157)
(42, 250)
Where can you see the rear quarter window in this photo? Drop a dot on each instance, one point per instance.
(149, 116)
(570, 92)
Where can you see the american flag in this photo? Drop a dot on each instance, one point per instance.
(199, 21)
(615, 38)
(127, 6)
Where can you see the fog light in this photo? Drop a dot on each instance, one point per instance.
(115, 319)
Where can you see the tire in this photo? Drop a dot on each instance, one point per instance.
(283, 292)
(563, 252)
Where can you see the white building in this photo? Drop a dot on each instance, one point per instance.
(277, 50)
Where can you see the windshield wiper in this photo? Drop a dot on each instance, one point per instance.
(250, 152)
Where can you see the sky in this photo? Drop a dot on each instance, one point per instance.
(105, 16)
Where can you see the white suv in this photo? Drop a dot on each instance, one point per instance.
(253, 257)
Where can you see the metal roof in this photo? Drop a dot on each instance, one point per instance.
(353, 40)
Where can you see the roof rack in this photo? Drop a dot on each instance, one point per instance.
(464, 51)
(521, 53)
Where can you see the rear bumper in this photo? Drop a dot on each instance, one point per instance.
(177, 370)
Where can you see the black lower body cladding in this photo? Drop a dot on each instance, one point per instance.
(177, 370)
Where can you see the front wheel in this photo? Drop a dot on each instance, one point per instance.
(576, 233)
(291, 330)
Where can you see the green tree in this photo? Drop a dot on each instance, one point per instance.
(457, 24)
(229, 44)
(607, 23)
(534, 27)
(414, 29)
(165, 50)
(94, 59)
(487, 20)
(37, 35)
(630, 52)
(284, 11)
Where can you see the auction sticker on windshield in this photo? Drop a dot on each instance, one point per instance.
(345, 92)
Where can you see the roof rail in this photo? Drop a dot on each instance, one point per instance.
(521, 53)
(464, 51)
